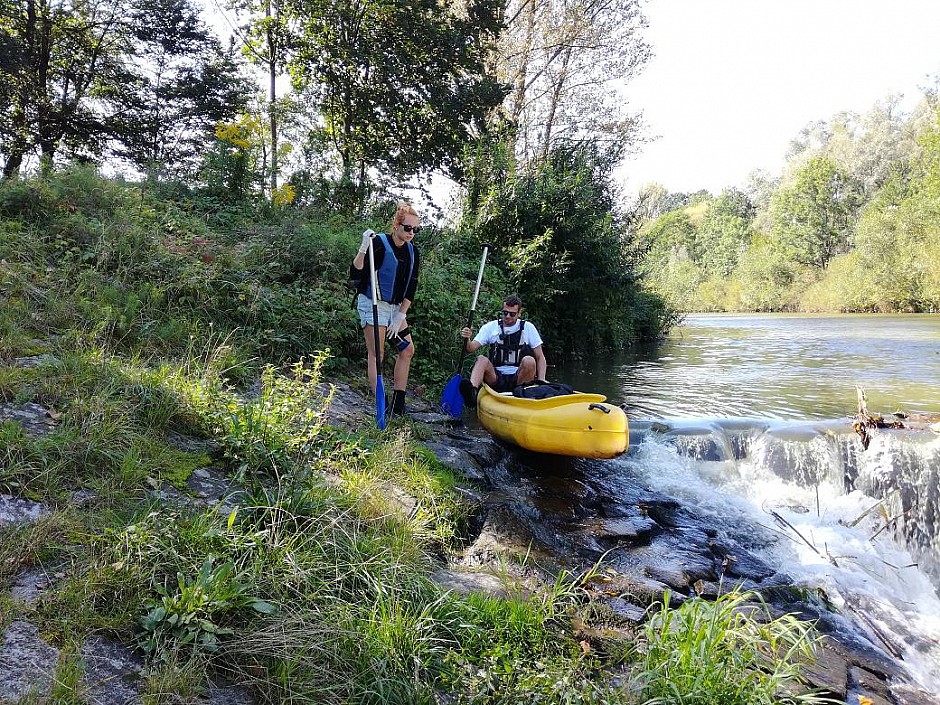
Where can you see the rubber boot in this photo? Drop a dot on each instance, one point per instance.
(398, 402)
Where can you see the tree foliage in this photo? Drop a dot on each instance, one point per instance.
(401, 86)
(814, 219)
(58, 58)
(559, 235)
(181, 84)
(561, 60)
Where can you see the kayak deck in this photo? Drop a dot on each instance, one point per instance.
(580, 424)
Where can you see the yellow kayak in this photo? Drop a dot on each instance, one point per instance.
(580, 425)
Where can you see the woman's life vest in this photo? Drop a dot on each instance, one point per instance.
(388, 270)
(510, 349)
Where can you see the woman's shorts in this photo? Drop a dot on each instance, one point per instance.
(364, 307)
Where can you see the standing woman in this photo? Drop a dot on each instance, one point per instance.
(396, 269)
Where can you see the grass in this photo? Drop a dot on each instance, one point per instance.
(317, 587)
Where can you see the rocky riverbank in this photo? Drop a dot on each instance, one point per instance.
(549, 514)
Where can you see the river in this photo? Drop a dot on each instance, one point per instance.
(745, 419)
(774, 366)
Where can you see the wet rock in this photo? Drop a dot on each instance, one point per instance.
(465, 582)
(738, 562)
(27, 663)
(113, 672)
(867, 684)
(14, 510)
(635, 529)
(482, 448)
(710, 590)
(830, 672)
(640, 590)
(634, 614)
(456, 459)
(908, 695)
(432, 418)
(36, 420)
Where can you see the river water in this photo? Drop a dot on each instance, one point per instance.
(780, 367)
(747, 420)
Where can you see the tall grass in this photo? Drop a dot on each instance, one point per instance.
(731, 651)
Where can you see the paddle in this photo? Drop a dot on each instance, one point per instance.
(451, 401)
(379, 384)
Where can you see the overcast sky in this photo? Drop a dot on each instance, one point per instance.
(733, 81)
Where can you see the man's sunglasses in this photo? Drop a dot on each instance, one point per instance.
(412, 228)
(510, 314)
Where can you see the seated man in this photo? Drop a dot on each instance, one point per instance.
(514, 356)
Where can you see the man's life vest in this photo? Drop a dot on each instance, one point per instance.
(385, 274)
(509, 350)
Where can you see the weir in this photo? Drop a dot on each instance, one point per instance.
(900, 468)
(860, 525)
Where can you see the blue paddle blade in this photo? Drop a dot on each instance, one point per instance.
(380, 403)
(451, 401)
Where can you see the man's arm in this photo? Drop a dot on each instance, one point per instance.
(472, 345)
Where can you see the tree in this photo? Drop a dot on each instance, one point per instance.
(725, 231)
(401, 86)
(268, 43)
(813, 220)
(61, 62)
(181, 84)
(558, 234)
(562, 59)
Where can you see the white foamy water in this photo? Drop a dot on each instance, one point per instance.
(823, 538)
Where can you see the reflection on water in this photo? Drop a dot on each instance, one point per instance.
(774, 366)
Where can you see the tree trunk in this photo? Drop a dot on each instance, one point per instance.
(520, 85)
(272, 97)
(557, 90)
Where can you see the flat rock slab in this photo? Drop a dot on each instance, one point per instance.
(14, 510)
(213, 486)
(33, 581)
(465, 582)
(114, 676)
(33, 361)
(35, 419)
(113, 672)
(456, 459)
(27, 663)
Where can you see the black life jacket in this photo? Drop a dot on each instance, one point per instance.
(509, 350)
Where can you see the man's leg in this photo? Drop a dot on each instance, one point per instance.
(527, 369)
(482, 372)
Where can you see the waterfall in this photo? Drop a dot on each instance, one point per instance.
(862, 525)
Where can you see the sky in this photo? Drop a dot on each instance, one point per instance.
(732, 82)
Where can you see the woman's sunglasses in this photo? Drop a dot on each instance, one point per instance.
(411, 228)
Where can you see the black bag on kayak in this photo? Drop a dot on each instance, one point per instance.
(541, 390)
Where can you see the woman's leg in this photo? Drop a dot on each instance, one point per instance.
(403, 364)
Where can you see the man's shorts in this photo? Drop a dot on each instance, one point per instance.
(504, 382)
(364, 307)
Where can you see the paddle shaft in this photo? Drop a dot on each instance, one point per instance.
(379, 386)
(473, 308)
